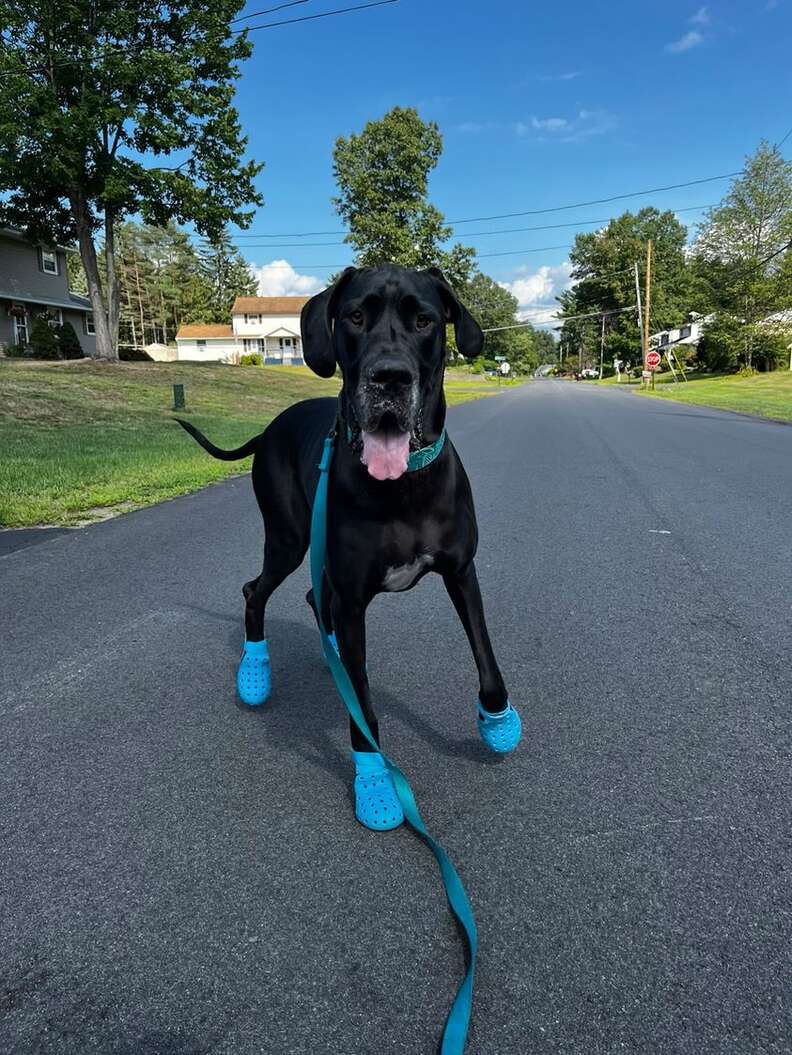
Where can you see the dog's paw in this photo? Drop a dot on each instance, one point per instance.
(253, 675)
(377, 805)
(500, 732)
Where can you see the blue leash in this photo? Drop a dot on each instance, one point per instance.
(456, 1027)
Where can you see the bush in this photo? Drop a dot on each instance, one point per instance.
(770, 346)
(721, 344)
(43, 341)
(252, 359)
(68, 342)
(16, 351)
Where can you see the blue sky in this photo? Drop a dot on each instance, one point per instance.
(564, 103)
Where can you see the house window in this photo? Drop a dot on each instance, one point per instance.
(286, 343)
(252, 318)
(54, 317)
(21, 329)
(684, 332)
(200, 344)
(48, 261)
(89, 323)
(663, 338)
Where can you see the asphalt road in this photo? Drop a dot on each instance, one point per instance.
(181, 875)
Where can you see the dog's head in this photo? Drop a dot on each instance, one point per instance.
(385, 328)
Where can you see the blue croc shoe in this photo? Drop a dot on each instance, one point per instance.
(253, 676)
(377, 805)
(501, 731)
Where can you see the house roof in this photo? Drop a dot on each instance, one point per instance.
(783, 318)
(204, 331)
(269, 305)
(74, 303)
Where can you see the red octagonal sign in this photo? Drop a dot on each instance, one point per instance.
(653, 360)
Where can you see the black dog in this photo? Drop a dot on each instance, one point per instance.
(387, 526)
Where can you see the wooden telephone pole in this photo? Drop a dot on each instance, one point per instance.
(648, 304)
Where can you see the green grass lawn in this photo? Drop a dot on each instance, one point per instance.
(79, 441)
(764, 395)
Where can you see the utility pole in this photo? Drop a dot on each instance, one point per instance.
(602, 345)
(640, 309)
(648, 310)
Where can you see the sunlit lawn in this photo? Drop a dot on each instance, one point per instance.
(78, 440)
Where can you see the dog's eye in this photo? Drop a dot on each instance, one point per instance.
(422, 321)
(356, 317)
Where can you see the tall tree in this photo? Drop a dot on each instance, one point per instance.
(602, 266)
(91, 89)
(495, 308)
(744, 245)
(227, 276)
(383, 182)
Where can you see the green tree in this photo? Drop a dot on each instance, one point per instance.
(743, 248)
(227, 276)
(383, 182)
(602, 265)
(92, 88)
(495, 308)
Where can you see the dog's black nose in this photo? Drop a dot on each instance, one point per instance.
(390, 373)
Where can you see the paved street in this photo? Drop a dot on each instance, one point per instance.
(181, 875)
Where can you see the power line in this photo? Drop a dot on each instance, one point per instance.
(311, 18)
(779, 145)
(470, 234)
(266, 11)
(86, 60)
(599, 201)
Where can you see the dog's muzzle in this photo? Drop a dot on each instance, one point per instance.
(388, 414)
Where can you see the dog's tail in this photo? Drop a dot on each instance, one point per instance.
(218, 452)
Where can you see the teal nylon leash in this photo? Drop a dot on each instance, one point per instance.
(456, 1027)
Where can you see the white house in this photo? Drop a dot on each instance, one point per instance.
(269, 326)
(681, 337)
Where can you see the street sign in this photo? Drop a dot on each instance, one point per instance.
(653, 360)
(505, 369)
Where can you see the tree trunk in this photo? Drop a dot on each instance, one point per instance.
(105, 347)
(113, 288)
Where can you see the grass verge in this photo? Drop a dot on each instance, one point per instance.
(81, 441)
(762, 395)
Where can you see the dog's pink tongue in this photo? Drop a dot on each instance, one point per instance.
(385, 454)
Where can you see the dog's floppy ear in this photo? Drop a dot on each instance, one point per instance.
(316, 326)
(469, 335)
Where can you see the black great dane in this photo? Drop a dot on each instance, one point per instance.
(399, 501)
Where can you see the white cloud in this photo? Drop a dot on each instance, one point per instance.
(701, 17)
(536, 292)
(686, 42)
(549, 124)
(550, 78)
(279, 279)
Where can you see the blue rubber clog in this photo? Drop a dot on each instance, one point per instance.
(377, 805)
(253, 676)
(500, 732)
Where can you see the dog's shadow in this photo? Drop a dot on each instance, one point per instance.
(305, 713)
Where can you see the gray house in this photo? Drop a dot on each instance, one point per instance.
(34, 281)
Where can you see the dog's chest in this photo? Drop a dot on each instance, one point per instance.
(400, 577)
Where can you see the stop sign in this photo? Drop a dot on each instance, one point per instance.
(653, 360)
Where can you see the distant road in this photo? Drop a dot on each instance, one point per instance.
(180, 875)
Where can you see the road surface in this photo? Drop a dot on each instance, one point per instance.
(181, 875)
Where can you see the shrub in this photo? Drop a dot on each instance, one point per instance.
(251, 359)
(43, 341)
(721, 344)
(68, 342)
(16, 351)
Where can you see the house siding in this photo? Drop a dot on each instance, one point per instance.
(22, 281)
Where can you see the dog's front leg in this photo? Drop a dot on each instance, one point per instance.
(349, 624)
(377, 805)
(499, 724)
(463, 589)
